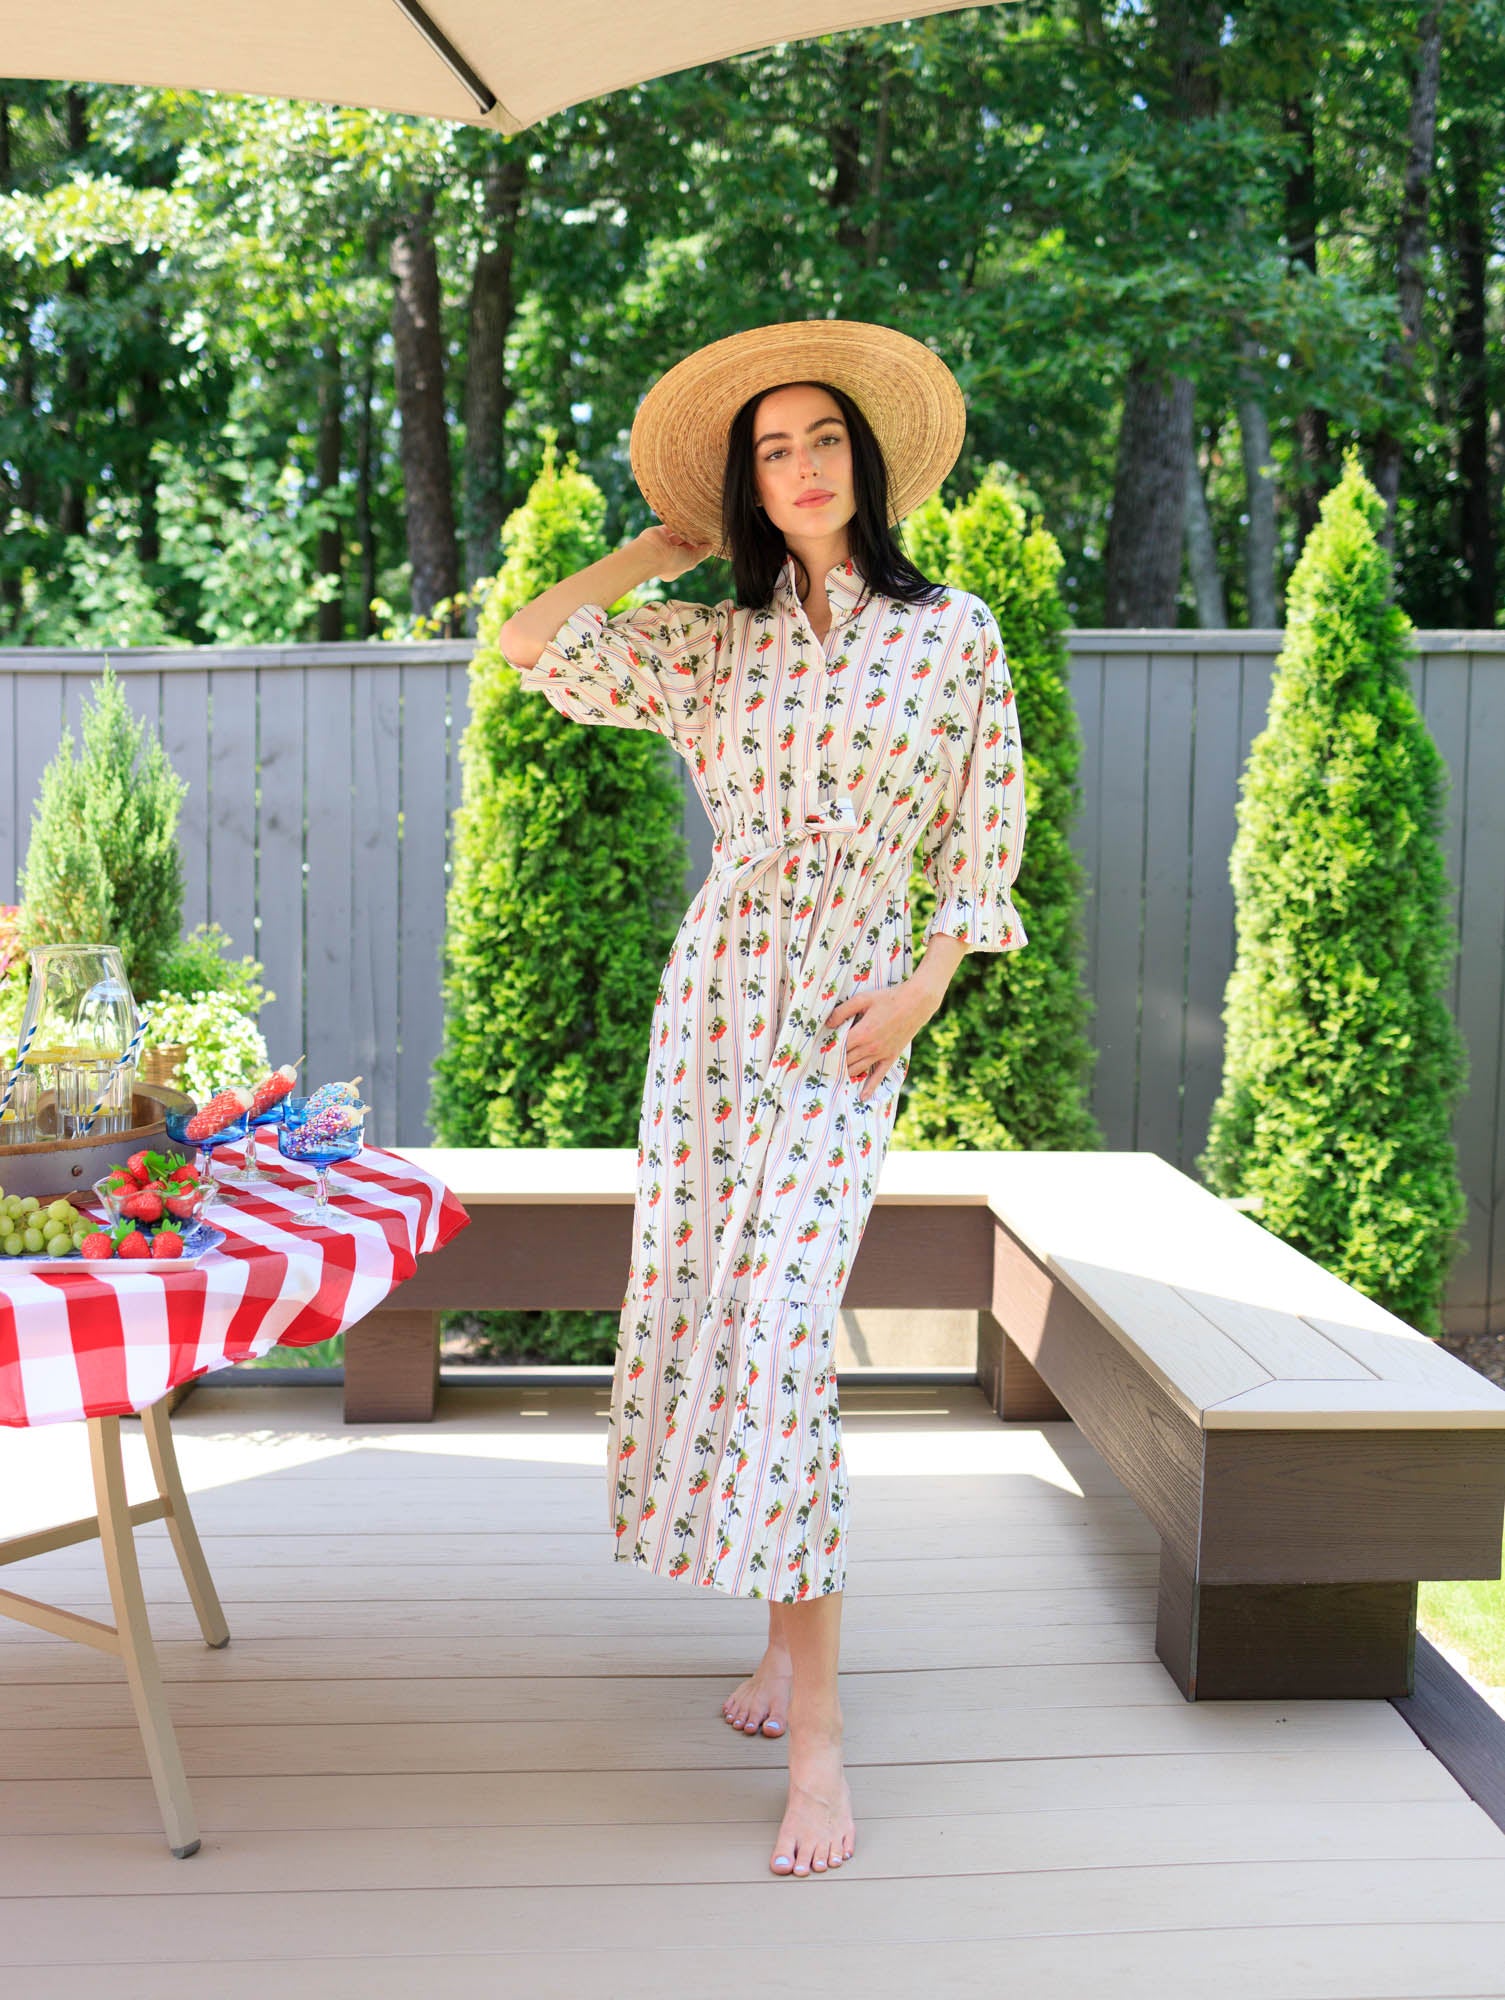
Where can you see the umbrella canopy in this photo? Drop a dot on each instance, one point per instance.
(503, 63)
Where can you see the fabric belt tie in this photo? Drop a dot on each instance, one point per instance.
(741, 860)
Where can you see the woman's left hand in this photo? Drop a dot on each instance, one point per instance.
(882, 1023)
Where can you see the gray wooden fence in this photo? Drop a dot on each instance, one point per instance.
(322, 782)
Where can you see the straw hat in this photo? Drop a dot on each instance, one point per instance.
(906, 392)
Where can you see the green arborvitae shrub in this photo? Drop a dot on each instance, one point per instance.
(568, 888)
(1343, 1063)
(1006, 1062)
(102, 865)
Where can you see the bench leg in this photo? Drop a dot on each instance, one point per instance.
(392, 1368)
(1008, 1380)
(1284, 1641)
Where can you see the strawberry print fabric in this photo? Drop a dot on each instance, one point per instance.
(827, 770)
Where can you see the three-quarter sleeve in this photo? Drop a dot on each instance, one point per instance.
(971, 850)
(649, 668)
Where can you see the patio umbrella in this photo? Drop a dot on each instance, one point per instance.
(503, 63)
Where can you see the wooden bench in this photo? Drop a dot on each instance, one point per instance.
(1305, 1457)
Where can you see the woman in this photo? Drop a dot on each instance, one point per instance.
(840, 715)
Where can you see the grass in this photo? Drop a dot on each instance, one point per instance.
(323, 1354)
(1469, 1617)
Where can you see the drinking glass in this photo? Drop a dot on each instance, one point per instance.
(18, 1121)
(321, 1158)
(228, 1135)
(78, 1085)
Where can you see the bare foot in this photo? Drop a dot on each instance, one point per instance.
(761, 1703)
(818, 1832)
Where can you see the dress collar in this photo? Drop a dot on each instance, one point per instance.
(843, 585)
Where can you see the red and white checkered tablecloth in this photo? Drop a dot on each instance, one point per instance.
(99, 1340)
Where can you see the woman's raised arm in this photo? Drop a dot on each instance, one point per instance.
(658, 551)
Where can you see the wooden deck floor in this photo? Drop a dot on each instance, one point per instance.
(453, 1751)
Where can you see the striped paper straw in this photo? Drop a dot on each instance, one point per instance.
(10, 1081)
(129, 1056)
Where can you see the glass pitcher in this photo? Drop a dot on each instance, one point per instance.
(79, 1004)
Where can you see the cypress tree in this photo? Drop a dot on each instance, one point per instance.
(1342, 1062)
(102, 863)
(1006, 1063)
(567, 890)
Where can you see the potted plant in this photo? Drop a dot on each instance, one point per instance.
(202, 1031)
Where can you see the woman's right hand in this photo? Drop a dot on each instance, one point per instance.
(670, 552)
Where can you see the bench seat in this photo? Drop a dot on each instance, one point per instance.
(1305, 1457)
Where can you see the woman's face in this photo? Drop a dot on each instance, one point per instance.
(803, 460)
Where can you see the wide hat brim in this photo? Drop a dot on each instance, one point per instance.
(907, 393)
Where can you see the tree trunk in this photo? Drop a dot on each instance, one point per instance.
(1142, 561)
(331, 538)
(149, 420)
(428, 494)
(1476, 517)
(10, 485)
(488, 395)
(1143, 557)
(846, 149)
(1313, 442)
(72, 508)
(1202, 551)
(365, 469)
(1261, 582)
(1411, 250)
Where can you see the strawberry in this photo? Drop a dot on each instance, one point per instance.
(99, 1243)
(224, 1108)
(133, 1244)
(136, 1166)
(272, 1089)
(145, 1205)
(168, 1242)
(184, 1201)
(185, 1175)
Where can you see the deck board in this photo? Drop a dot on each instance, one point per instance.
(479, 1756)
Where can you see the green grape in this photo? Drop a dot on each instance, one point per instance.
(34, 1240)
(29, 1204)
(12, 1246)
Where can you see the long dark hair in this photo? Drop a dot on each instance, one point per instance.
(757, 547)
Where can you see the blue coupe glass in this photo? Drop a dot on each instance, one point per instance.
(228, 1135)
(321, 1157)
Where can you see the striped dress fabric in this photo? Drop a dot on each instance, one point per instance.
(828, 771)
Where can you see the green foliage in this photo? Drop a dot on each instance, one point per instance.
(1006, 1062)
(1342, 1061)
(199, 963)
(225, 1048)
(237, 531)
(566, 894)
(102, 866)
(1009, 184)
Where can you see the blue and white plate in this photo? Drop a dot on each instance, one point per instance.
(199, 1238)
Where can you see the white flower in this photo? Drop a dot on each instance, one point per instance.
(225, 1047)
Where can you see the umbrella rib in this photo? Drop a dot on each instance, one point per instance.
(447, 53)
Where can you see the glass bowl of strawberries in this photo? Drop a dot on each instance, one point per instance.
(155, 1188)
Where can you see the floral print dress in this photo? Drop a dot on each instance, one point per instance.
(824, 769)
